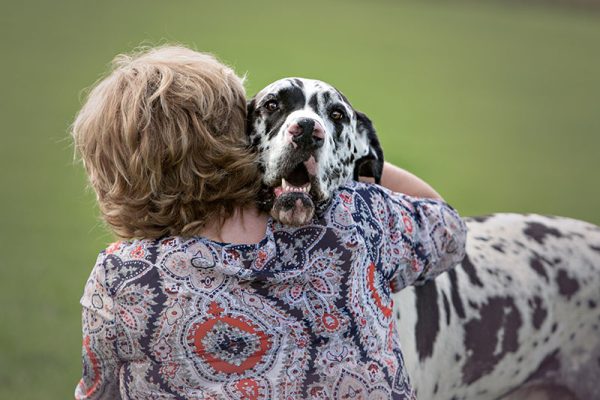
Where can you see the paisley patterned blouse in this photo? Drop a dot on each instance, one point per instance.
(304, 314)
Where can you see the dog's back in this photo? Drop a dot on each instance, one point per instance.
(522, 309)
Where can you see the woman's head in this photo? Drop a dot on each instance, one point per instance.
(162, 138)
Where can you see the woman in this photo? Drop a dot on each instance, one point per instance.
(205, 296)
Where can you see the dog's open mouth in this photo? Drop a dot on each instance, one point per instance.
(297, 181)
(293, 203)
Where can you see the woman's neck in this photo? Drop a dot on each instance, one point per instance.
(245, 226)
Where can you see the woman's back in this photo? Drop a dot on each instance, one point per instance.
(301, 313)
(304, 313)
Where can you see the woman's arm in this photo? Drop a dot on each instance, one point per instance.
(424, 236)
(101, 364)
(100, 378)
(399, 180)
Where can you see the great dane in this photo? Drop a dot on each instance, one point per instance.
(519, 317)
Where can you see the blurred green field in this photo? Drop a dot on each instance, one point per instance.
(496, 105)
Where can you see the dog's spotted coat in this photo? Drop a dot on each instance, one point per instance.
(521, 310)
(520, 314)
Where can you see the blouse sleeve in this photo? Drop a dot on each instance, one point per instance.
(421, 238)
(100, 378)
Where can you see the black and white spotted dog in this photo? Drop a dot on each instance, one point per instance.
(519, 318)
(309, 139)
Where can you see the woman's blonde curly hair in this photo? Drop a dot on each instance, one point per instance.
(162, 138)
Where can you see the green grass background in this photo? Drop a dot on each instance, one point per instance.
(496, 105)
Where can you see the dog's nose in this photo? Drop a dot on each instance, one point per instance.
(307, 132)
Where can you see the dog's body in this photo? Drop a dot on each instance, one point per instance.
(522, 309)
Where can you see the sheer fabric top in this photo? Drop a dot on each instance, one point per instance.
(304, 314)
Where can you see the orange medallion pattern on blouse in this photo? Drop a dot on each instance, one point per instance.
(229, 344)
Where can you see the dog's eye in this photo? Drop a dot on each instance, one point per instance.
(271, 105)
(336, 115)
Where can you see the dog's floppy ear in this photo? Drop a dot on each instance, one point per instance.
(371, 165)
(250, 108)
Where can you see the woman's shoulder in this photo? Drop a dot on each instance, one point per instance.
(142, 249)
(360, 203)
(124, 259)
(364, 189)
(367, 194)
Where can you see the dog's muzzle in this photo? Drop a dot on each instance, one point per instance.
(294, 203)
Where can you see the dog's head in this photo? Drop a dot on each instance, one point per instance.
(310, 141)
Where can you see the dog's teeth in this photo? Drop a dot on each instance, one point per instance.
(286, 187)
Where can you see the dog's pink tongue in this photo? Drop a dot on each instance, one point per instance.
(278, 191)
(311, 166)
